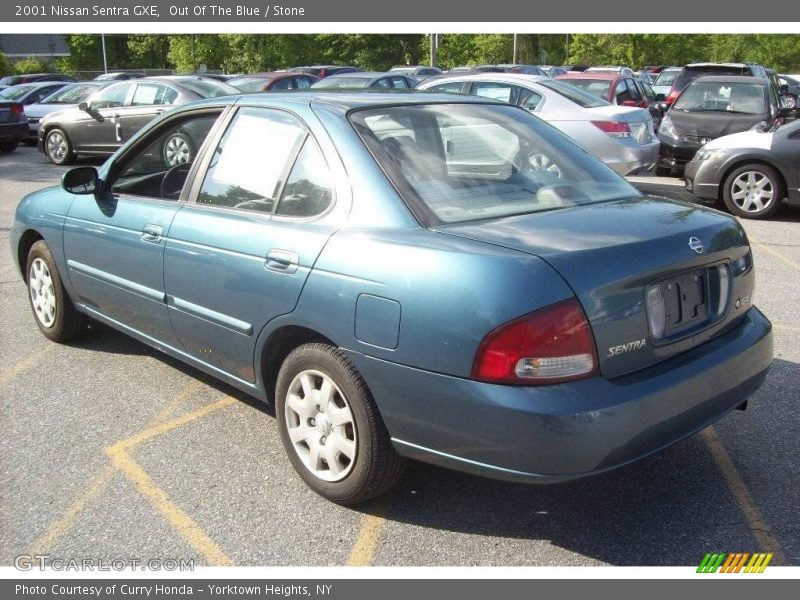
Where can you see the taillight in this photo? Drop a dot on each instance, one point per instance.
(17, 109)
(673, 95)
(618, 129)
(551, 345)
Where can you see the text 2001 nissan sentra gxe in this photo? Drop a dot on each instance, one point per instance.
(405, 280)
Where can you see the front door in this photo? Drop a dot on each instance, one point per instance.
(238, 255)
(98, 130)
(114, 242)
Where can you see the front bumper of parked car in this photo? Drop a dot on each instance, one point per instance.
(702, 178)
(675, 154)
(544, 434)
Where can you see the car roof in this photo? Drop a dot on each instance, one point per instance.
(358, 74)
(718, 64)
(269, 75)
(502, 77)
(348, 100)
(604, 75)
(38, 84)
(731, 79)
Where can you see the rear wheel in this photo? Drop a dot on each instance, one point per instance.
(330, 427)
(52, 308)
(178, 149)
(58, 147)
(753, 191)
(8, 145)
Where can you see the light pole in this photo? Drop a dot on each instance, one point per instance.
(434, 46)
(514, 58)
(103, 43)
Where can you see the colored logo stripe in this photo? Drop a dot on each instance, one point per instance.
(734, 562)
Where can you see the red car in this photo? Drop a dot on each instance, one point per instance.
(273, 81)
(622, 90)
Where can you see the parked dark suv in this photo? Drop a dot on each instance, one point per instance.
(711, 107)
(701, 69)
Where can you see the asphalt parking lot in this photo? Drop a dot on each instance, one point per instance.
(110, 449)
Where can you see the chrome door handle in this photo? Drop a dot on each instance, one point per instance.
(283, 261)
(152, 233)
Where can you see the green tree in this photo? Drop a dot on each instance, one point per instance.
(32, 65)
(5, 65)
(148, 51)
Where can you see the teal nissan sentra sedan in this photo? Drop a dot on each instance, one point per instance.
(407, 276)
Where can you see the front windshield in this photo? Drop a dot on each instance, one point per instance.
(574, 94)
(16, 92)
(666, 78)
(467, 162)
(332, 83)
(72, 94)
(714, 96)
(596, 87)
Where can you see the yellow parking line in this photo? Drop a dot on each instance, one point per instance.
(755, 521)
(99, 484)
(166, 426)
(53, 533)
(174, 515)
(366, 545)
(777, 254)
(25, 364)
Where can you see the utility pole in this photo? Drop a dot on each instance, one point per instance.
(194, 57)
(566, 60)
(514, 58)
(434, 46)
(103, 43)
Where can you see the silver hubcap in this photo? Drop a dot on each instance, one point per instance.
(43, 295)
(321, 426)
(752, 191)
(177, 151)
(541, 162)
(56, 146)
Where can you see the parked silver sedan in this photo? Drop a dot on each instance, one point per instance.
(621, 136)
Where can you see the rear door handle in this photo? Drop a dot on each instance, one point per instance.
(152, 233)
(282, 261)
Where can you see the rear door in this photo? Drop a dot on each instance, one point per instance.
(238, 254)
(148, 101)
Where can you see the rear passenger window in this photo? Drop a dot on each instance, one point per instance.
(530, 99)
(282, 84)
(302, 83)
(456, 87)
(399, 83)
(309, 189)
(252, 161)
(621, 92)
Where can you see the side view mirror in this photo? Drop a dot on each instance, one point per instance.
(628, 103)
(660, 97)
(81, 180)
(87, 108)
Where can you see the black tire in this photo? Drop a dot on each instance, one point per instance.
(749, 210)
(663, 171)
(8, 145)
(65, 158)
(68, 322)
(376, 466)
(169, 157)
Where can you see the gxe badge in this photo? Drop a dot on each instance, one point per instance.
(696, 245)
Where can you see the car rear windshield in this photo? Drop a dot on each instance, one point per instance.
(72, 94)
(342, 83)
(714, 96)
(596, 87)
(689, 74)
(249, 84)
(465, 162)
(16, 92)
(574, 93)
(666, 78)
(208, 88)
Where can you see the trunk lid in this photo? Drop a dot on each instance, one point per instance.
(610, 253)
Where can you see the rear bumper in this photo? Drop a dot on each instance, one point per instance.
(629, 157)
(14, 131)
(553, 433)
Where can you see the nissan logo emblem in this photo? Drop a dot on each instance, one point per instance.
(696, 245)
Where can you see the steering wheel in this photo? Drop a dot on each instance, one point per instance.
(172, 183)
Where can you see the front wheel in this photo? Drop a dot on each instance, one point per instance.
(52, 308)
(330, 427)
(753, 191)
(58, 147)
